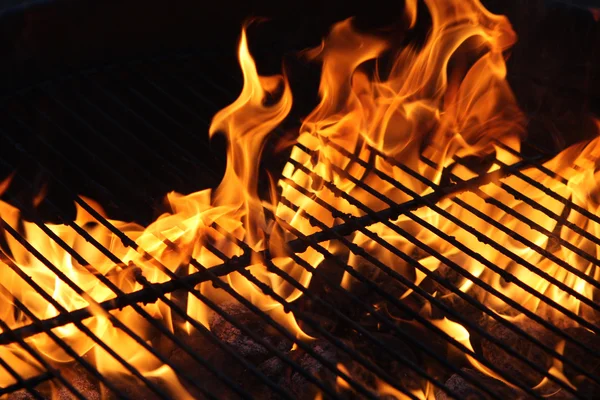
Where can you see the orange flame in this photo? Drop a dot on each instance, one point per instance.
(440, 102)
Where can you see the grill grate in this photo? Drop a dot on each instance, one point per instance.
(117, 108)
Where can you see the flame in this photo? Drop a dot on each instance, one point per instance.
(557, 371)
(382, 388)
(440, 104)
(461, 335)
(172, 241)
(385, 389)
(341, 382)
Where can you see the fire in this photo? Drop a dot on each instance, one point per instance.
(162, 249)
(441, 104)
(383, 389)
(556, 370)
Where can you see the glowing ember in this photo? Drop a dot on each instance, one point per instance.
(441, 101)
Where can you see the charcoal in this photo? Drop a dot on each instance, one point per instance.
(332, 272)
(555, 391)
(391, 285)
(273, 367)
(587, 388)
(433, 341)
(590, 314)
(465, 389)
(582, 357)
(515, 368)
(450, 274)
(294, 381)
(449, 298)
(396, 369)
(320, 321)
(136, 389)
(275, 370)
(549, 312)
(82, 381)
(76, 375)
(299, 384)
(87, 386)
(198, 343)
(379, 277)
(20, 395)
(578, 354)
(242, 343)
(214, 355)
(131, 388)
(383, 359)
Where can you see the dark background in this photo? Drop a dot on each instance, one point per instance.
(112, 98)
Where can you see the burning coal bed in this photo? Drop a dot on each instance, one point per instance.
(298, 385)
(409, 250)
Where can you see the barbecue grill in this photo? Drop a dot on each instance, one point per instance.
(369, 342)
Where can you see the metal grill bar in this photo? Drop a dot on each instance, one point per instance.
(115, 321)
(147, 295)
(90, 210)
(126, 240)
(526, 242)
(140, 311)
(554, 216)
(464, 226)
(87, 312)
(489, 289)
(297, 246)
(510, 211)
(219, 283)
(552, 235)
(153, 292)
(156, 293)
(531, 161)
(483, 238)
(274, 269)
(560, 240)
(27, 384)
(56, 374)
(344, 229)
(329, 365)
(407, 258)
(338, 371)
(549, 191)
(535, 247)
(361, 252)
(525, 219)
(316, 326)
